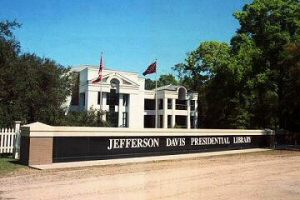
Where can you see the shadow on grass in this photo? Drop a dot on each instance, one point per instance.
(9, 165)
(16, 162)
(10, 159)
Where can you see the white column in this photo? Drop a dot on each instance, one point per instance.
(196, 115)
(104, 102)
(86, 107)
(173, 113)
(188, 119)
(87, 98)
(91, 98)
(120, 110)
(165, 115)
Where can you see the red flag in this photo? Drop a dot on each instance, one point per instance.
(151, 69)
(101, 68)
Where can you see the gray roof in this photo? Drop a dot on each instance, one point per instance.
(170, 87)
(173, 88)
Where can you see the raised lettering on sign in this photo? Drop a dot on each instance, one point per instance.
(242, 140)
(173, 142)
(197, 141)
(133, 143)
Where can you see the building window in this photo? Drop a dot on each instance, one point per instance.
(124, 119)
(169, 103)
(181, 93)
(193, 107)
(82, 99)
(113, 98)
(169, 121)
(125, 100)
(114, 83)
(180, 121)
(161, 104)
(181, 104)
(192, 121)
(160, 121)
(149, 104)
(149, 121)
(112, 116)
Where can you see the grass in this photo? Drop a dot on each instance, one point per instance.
(8, 166)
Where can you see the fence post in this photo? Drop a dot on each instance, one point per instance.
(17, 140)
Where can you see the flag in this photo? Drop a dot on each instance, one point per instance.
(151, 69)
(101, 68)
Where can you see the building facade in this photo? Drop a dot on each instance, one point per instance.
(127, 104)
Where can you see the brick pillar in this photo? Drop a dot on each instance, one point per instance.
(36, 144)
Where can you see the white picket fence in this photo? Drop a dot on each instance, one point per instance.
(10, 140)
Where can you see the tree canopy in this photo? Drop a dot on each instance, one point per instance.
(32, 88)
(163, 80)
(253, 82)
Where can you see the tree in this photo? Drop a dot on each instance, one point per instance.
(163, 80)
(9, 51)
(149, 84)
(42, 89)
(179, 69)
(31, 88)
(292, 86)
(91, 117)
(241, 50)
(167, 80)
(252, 83)
(271, 24)
(209, 71)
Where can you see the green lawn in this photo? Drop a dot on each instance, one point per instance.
(9, 165)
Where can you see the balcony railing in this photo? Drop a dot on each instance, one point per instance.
(181, 107)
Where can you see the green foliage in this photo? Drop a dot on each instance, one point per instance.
(9, 50)
(271, 25)
(167, 80)
(207, 70)
(8, 166)
(37, 89)
(163, 80)
(291, 100)
(31, 88)
(254, 82)
(149, 84)
(84, 118)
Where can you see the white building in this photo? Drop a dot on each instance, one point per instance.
(128, 104)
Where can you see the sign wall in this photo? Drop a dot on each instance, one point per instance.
(98, 148)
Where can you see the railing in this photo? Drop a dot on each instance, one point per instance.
(181, 107)
(10, 140)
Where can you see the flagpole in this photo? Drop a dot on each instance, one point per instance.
(101, 106)
(101, 97)
(152, 68)
(156, 93)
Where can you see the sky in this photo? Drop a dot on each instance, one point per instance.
(131, 33)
